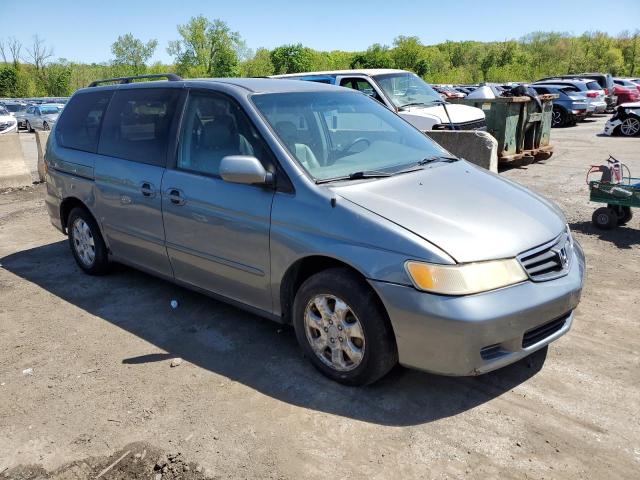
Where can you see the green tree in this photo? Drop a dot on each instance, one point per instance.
(206, 48)
(8, 82)
(132, 54)
(291, 59)
(376, 56)
(408, 54)
(258, 66)
(58, 79)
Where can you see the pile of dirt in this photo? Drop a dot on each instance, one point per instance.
(135, 461)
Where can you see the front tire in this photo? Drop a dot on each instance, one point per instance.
(30, 128)
(86, 242)
(605, 218)
(343, 329)
(45, 126)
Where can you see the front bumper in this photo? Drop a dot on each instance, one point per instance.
(611, 126)
(9, 129)
(475, 334)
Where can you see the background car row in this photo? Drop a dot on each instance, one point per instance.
(33, 116)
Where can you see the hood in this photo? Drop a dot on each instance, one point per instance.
(7, 118)
(469, 213)
(437, 114)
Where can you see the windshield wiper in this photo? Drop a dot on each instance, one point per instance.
(356, 176)
(411, 104)
(426, 161)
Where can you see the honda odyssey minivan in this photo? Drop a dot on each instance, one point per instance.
(315, 206)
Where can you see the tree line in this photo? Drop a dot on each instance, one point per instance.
(209, 48)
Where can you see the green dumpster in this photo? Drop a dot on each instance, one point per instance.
(538, 127)
(521, 127)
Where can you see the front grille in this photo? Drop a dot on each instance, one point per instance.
(473, 125)
(535, 335)
(548, 261)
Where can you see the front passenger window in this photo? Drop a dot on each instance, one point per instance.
(213, 128)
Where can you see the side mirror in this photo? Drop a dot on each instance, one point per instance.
(244, 169)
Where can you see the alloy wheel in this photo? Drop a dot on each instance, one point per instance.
(334, 332)
(556, 119)
(83, 242)
(630, 127)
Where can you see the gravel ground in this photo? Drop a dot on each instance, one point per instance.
(85, 371)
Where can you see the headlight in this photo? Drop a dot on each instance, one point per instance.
(466, 278)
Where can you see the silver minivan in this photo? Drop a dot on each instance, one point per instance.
(315, 206)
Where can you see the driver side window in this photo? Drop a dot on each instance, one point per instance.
(361, 85)
(214, 127)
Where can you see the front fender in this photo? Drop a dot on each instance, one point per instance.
(310, 224)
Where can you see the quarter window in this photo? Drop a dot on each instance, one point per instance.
(136, 126)
(79, 124)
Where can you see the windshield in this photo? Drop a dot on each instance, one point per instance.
(406, 89)
(14, 107)
(336, 134)
(49, 110)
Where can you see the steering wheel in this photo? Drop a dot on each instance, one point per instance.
(355, 142)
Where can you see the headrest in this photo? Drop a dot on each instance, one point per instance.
(218, 135)
(287, 131)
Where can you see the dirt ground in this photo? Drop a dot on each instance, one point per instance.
(85, 372)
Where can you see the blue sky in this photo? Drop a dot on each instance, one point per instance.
(84, 31)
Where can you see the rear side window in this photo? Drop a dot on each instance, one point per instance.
(137, 125)
(79, 125)
(594, 86)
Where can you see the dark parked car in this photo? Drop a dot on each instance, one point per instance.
(568, 108)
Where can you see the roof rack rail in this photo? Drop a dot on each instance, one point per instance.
(172, 77)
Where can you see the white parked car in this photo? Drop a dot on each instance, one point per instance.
(406, 94)
(42, 117)
(626, 121)
(8, 123)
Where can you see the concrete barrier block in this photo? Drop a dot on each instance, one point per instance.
(41, 145)
(477, 147)
(13, 169)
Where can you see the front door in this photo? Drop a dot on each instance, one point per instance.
(128, 173)
(217, 233)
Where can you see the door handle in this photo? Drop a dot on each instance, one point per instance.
(147, 189)
(176, 196)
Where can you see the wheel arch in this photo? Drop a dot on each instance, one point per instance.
(67, 205)
(305, 267)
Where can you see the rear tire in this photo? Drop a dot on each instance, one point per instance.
(630, 127)
(343, 329)
(624, 214)
(86, 242)
(604, 218)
